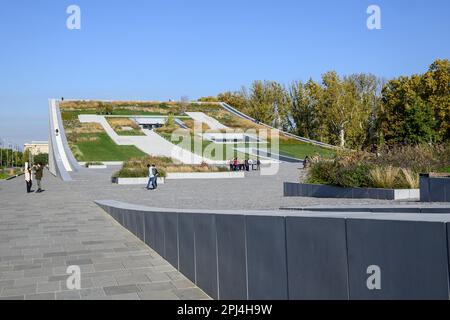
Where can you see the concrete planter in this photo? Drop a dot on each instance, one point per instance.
(97, 167)
(181, 176)
(435, 187)
(326, 191)
(205, 175)
(135, 181)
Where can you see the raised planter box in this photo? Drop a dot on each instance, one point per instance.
(181, 176)
(205, 175)
(326, 191)
(135, 181)
(434, 187)
(97, 167)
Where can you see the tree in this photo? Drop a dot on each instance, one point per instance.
(305, 100)
(236, 99)
(435, 90)
(339, 104)
(41, 158)
(406, 118)
(268, 103)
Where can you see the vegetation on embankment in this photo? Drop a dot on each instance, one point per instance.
(137, 167)
(398, 167)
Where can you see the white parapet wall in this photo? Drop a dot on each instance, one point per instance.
(182, 176)
(136, 181)
(205, 175)
(406, 194)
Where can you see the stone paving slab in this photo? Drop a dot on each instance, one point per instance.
(42, 234)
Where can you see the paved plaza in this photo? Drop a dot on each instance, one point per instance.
(42, 234)
(255, 192)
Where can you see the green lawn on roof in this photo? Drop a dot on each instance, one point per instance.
(446, 170)
(299, 150)
(3, 175)
(104, 149)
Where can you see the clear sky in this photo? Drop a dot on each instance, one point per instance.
(161, 49)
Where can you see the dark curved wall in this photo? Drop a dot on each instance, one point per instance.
(292, 255)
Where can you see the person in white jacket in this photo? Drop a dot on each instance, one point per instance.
(28, 177)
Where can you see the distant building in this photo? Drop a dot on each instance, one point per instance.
(36, 147)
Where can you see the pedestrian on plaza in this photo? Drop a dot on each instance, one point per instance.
(152, 177)
(306, 162)
(155, 179)
(258, 164)
(232, 165)
(28, 177)
(237, 166)
(250, 164)
(39, 174)
(150, 185)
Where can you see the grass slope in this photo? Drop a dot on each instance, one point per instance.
(104, 149)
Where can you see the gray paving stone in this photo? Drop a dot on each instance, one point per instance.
(68, 295)
(108, 266)
(92, 293)
(133, 279)
(192, 294)
(41, 296)
(19, 290)
(156, 286)
(22, 297)
(108, 281)
(127, 296)
(119, 290)
(159, 295)
(48, 287)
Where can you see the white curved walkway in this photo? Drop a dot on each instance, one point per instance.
(58, 149)
(212, 123)
(152, 143)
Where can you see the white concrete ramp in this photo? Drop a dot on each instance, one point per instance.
(151, 144)
(212, 123)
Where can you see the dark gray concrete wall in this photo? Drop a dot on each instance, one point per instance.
(412, 257)
(324, 191)
(434, 189)
(317, 258)
(266, 258)
(292, 255)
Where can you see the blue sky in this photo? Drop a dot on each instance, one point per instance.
(161, 49)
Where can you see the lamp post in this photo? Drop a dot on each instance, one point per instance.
(7, 156)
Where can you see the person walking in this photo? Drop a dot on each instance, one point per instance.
(152, 177)
(155, 178)
(28, 177)
(39, 174)
(150, 184)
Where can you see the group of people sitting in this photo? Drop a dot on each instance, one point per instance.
(246, 165)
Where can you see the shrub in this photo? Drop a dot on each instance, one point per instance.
(386, 177)
(397, 167)
(411, 179)
(137, 167)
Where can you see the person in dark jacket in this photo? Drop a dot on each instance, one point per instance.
(39, 174)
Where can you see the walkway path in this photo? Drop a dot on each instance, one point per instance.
(42, 234)
(152, 143)
(212, 123)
